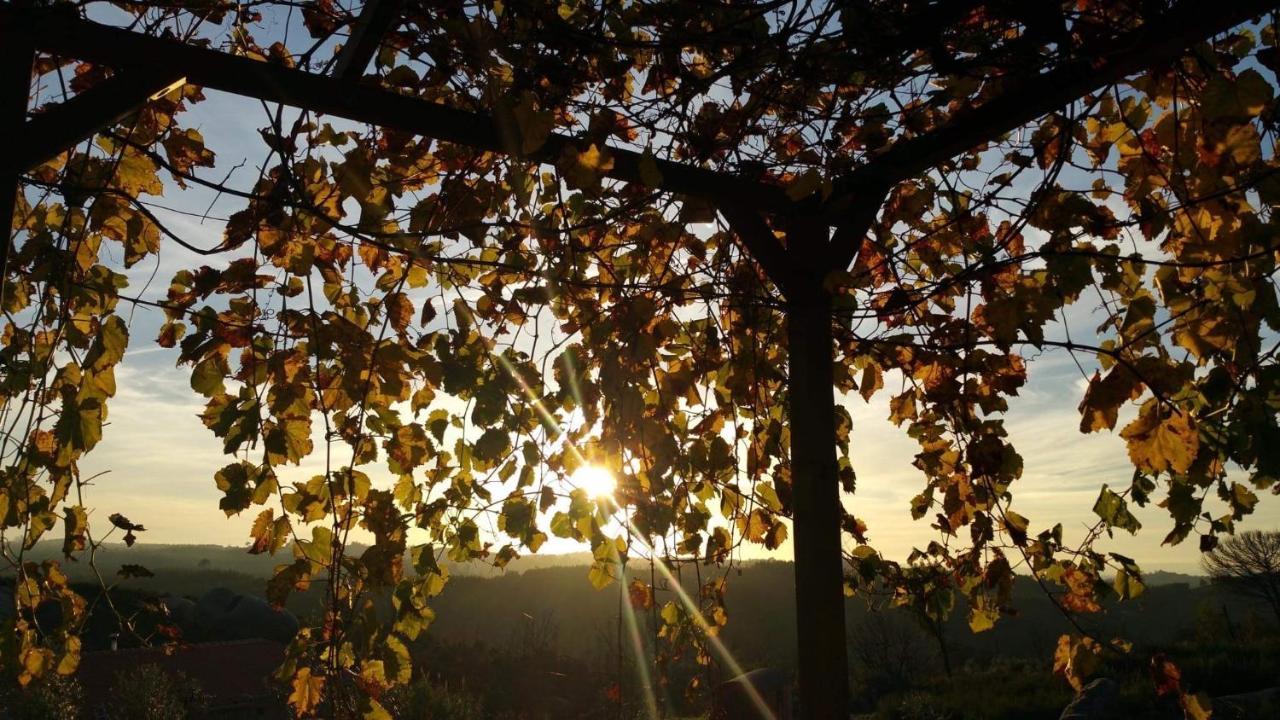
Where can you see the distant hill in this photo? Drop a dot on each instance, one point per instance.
(550, 595)
(160, 557)
(229, 558)
(1157, 578)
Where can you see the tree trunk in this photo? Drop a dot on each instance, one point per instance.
(816, 510)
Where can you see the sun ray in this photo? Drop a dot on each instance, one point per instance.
(712, 637)
(673, 582)
(641, 655)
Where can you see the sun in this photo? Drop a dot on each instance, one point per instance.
(597, 481)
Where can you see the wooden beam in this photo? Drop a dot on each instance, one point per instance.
(816, 508)
(61, 126)
(377, 18)
(17, 53)
(1157, 41)
(757, 237)
(68, 35)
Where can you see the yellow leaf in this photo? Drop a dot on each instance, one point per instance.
(308, 690)
(71, 658)
(595, 160)
(1198, 706)
(982, 619)
(1157, 444)
(1243, 144)
(1075, 660)
(584, 169)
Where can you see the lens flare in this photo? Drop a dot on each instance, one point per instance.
(597, 481)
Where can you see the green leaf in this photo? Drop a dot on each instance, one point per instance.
(1114, 511)
(208, 374)
(492, 446)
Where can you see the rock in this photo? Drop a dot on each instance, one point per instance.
(1098, 700)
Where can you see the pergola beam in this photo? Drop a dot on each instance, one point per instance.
(1026, 99)
(16, 55)
(71, 36)
(376, 19)
(53, 131)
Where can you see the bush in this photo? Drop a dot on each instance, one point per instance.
(149, 693)
(422, 699)
(51, 697)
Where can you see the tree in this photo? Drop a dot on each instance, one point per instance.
(891, 653)
(1248, 564)
(664, 238)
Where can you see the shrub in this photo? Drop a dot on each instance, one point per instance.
(147, 692)
(50, 697)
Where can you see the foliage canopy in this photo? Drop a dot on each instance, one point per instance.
(455, 329)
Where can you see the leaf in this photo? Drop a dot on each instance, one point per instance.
(1102, 400)
(135, 174)
(70, 660)
(208, 374)
(1128, 585)
(1075, 659)
(602, 574)
(1243, 144)
(110, 344)
(533, 126)
(399, 311)
(1159, 443)
(1198, 706)
(1016, 525)
(805, 185)
(236, 483)
(492, 445)
(641, 595)
(75, 526)
(269, 533)
(648, 167)
(186, 151)
(872, 380)
(371, 709)
(308, 691)
(982, 619)
(1114, 511)
(1241, 97)
(585, 169)
(123, 522)
(1166, 675)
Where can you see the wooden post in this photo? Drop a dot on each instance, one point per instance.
(816, 509)
(16, 56)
